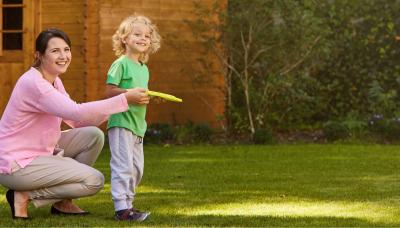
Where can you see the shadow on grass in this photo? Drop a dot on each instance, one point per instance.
(255, 221)
(157, 220)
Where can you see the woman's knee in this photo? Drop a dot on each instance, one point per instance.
(96, 134)
(95, 181)
(96, 143)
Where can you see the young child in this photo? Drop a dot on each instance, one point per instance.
(135, 39)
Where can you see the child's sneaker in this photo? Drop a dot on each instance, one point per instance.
(131, 215)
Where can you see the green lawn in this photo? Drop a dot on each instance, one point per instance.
(282, 185)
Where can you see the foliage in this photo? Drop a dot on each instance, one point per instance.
(289, 63)
(184, 133)
(263, 136)
(203, 133)
(188, 133)
(377, 124)
(393, 129)
(356, 128)
(377, 128)
(362, 73)
(193, 133)
(266, 85)
(385, 128)
(334, 130)
(159, 133)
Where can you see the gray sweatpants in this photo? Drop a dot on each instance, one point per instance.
(67, 175)
(126, 164)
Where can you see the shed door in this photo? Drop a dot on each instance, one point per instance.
(19, 25)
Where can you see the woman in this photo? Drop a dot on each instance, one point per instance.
(38, 162)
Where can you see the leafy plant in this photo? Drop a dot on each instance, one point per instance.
(334, 130)
(263, 136)
(290, 63)
(252, 41)
(159, 133)
(203, 133)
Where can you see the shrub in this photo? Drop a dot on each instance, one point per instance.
(377, 124)
(334, 130)
(159, 133)
(355, 128)
(193, 133)
(263, 136)
(387, 129)
(202, 133)
(393, 129)
(184, 133)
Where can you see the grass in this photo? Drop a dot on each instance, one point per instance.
(251, 186)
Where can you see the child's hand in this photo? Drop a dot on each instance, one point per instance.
(157, 100)
(137, 96)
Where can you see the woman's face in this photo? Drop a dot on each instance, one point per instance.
(57, 57)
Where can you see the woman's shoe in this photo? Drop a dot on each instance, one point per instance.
(55, 211)
(10, 200)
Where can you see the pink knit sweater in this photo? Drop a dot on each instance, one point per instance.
(30, 125)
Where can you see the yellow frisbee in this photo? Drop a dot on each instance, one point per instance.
(164, 96)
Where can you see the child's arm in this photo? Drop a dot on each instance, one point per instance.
(113, 90)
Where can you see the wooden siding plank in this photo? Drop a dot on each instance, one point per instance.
(68, 15)
(170, 65)
(10, 72)
(91, 50)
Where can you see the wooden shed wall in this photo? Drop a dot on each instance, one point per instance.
(13, 63)
(171, 68)
(9, 74)
(91, 24)
(69, 15)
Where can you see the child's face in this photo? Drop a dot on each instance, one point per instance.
(138, 41)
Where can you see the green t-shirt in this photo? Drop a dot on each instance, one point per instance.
(127, 74)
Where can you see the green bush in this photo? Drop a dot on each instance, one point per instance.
(183, 134)
(203, 133)
(188, 133)
(290, 63)
(384, 128)
(356, 128)
(393, 129)
(263, 136)
(193, 133)
(377, 124)
(334, 130)
(159, 133)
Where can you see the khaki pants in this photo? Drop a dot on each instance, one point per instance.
(68, 175)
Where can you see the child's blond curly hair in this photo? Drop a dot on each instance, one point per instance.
(126, 27)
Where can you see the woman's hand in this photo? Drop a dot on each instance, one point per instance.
(137, 96)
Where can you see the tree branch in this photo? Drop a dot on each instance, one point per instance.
(259, 52)
(290, 68)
